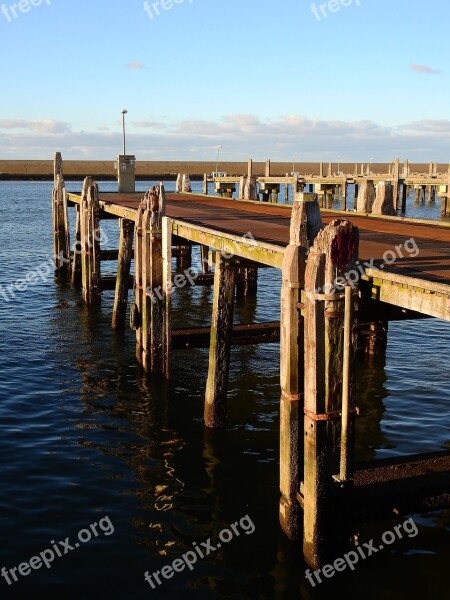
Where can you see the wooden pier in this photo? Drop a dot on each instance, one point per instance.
(344, 277)
(330, 185)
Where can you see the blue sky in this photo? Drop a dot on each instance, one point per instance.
(359, 79)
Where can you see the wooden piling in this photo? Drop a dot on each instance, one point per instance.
(61, 240)
(123, 273)
(404, 196)
(151, 288)
(76, 278)
(375, 338)
(247, 282)
(90, 242)
(334, 253)
(220, 344)
(344, 192)
(384, 199)
(396, 182)
(205, 184)
(306, 222)
(204, 259)
(366, 197)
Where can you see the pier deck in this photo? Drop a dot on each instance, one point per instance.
(219, 222)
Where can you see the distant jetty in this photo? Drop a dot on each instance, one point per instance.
(168, 170)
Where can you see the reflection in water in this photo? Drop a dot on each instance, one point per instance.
(370, 394)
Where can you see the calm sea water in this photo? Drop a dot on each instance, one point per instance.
(85, 435)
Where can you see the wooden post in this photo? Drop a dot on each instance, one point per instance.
(344, 188)
(384, 201)
(306, 222)
(220, 345)
(405, 169)
(375, 338)
(167, 289)
(184, 257)
(151, 288)
(247, 282)
(267, 169)
(123, 273)
(205, 184)
(248, 189)
(366, 197)
(204, 250)
(396, 182)
(404, 196)
(76, 250)
(186, 184)
(321, 170)
(61, 241)
(90, 242)
(334, 253)
(250, 168)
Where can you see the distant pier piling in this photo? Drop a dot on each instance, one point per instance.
(61, 237)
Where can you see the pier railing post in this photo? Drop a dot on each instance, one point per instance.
(61, 241)
(220, 344)
(123, 273)
(90, 242)
(306, 222)
(151, 289)
(333, 255)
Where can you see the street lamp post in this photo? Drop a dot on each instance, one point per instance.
(217, 163)
(124, 112)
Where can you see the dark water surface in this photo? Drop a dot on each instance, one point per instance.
(85, 436)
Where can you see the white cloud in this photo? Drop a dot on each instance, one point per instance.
(44, 126)
(242, 136)
(424, 69)
(135, 64)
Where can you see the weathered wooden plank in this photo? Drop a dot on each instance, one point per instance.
(229, 244)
